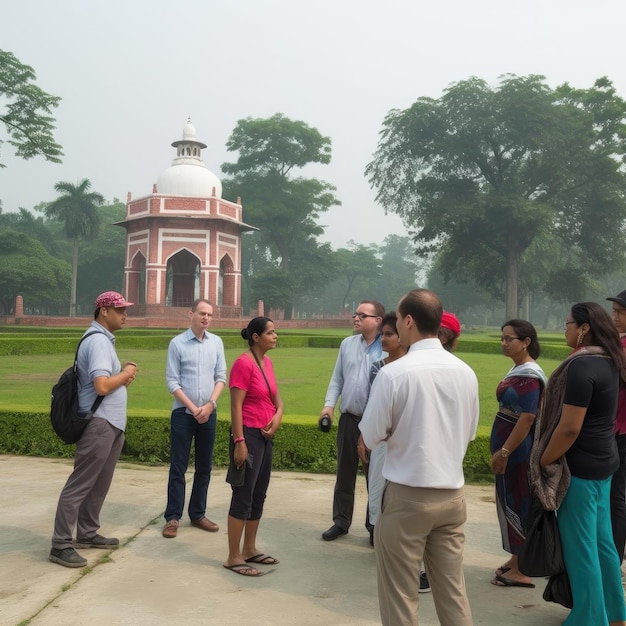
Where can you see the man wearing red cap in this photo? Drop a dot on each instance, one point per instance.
(97, 451)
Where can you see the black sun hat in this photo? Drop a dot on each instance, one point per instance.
(620, 298)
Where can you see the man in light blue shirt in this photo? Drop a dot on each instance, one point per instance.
(196, 375)
(351, 381)
(100, 373)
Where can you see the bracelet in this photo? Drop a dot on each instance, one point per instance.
(214, 403)
(237, 440)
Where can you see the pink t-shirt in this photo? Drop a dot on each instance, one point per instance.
(258, 408)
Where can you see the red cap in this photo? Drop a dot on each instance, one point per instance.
(112, 298)
(451, 321)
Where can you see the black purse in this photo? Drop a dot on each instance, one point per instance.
(541, 553)
(235, 476)
(559, 590)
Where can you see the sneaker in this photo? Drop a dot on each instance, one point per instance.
(170, 529)
(68, 557)
(424, 584)
(98, 541)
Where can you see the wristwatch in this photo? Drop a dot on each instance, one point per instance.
(214, 403)
(504, 453)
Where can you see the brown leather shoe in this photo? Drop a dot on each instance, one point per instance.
(205, 524)
(170, 529)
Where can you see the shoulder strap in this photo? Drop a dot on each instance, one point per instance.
(99, 399)
(269, 389)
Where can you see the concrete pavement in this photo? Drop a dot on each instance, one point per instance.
(152, 580)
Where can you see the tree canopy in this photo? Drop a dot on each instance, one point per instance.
(25, 111)
(481, 173)
(285, 208)
(276, 144)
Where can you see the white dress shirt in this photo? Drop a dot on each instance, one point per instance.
(426, 404)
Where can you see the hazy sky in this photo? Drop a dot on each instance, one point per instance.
(130, 72)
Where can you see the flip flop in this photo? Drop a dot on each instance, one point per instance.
(502, 570)
(244, 570)
(263, 559)
(501, 581)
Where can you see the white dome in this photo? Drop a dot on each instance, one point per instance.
(188, 176)
(190, 179)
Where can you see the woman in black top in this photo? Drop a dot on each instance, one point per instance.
(587, 386)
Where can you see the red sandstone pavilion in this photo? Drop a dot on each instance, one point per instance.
(183, 241)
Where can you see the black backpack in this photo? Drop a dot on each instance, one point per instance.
(66, 421)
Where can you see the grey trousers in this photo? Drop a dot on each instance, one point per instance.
(82, 498)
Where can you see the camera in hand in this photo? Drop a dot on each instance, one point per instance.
(324, 423)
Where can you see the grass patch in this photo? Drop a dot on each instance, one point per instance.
(303, 375)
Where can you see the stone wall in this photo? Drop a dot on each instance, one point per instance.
(176, 318)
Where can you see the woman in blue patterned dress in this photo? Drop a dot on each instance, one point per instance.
(519, 398)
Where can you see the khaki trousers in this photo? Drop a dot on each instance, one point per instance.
(421, 524)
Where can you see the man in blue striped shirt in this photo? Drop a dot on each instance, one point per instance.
(196, 375)
(351, 381)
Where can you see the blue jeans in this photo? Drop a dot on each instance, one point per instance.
(184, 428)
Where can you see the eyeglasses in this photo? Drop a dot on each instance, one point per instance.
(362, 316)
(568, 323)
(507, 339)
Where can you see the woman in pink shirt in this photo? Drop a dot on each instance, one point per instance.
(256, 410)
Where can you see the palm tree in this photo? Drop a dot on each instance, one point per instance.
(77, 208)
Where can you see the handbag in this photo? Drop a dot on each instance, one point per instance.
(559, 590)
(541, 553)
(235, 476)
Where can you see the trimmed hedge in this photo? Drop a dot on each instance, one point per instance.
(46, 344)
(12, 345)
(556, 351)
(296, 447)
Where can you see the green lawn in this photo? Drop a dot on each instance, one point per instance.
(302, 373)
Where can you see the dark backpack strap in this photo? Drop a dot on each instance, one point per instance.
(99, 399)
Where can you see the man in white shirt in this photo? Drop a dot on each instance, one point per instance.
(426, 406)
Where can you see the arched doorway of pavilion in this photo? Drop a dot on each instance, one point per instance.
(182, 279)
(137, 279)
(227, 283)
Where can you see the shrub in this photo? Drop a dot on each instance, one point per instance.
(296, 447)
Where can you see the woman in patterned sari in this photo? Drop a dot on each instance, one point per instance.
(519, 397)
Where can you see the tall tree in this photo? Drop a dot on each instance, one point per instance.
(103, 258)
(399, 269)
(77, 208)
(284, 207)
(357, 265)
(480, 173)
(25, 111)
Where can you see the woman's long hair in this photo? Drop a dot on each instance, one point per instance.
(602, 330)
